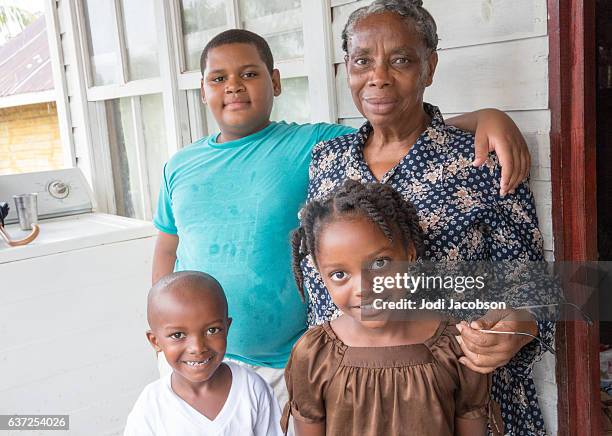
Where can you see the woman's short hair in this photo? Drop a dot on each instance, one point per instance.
(412, 10)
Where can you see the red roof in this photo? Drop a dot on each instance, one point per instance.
(24, 62)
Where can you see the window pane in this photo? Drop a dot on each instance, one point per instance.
(279, 21)
(287, 45)
(102, 42)
(293, 104)
(155, 142)
(133, 168)
(124, 158)
(29, 139)
(202, 19)
(258, 8)
(140, 39)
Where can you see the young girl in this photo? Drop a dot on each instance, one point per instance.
(367, 376)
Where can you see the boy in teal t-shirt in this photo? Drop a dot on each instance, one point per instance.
(234, 204)
(228, 202)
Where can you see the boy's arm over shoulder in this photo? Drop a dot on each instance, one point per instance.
(496, 131)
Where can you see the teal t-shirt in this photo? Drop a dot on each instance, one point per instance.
(233, 206)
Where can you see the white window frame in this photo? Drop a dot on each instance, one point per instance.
(318, 56)
(184, 122)
(97, 95)
(317, 64)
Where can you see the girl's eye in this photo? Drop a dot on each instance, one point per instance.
(213, 330)
(178, 335)
(338, 276)
(380, 263)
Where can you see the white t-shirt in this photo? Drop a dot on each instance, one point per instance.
(250, 409)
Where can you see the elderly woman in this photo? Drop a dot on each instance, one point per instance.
(391, 58)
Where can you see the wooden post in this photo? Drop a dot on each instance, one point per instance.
(571, 31)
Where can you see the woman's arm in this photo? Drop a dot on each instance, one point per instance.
(470, 427)
(514, 234)
(304, 429)
(495, 131)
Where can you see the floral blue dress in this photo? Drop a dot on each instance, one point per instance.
(463, 218)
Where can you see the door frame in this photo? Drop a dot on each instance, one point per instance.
(572, 101)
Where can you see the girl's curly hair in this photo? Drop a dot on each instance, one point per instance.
(378, 202)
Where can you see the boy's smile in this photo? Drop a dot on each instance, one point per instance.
(239, 90)
(190, 327)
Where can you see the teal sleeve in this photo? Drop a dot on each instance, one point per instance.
(164, 216)
(326, 131)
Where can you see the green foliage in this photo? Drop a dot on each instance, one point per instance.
(13, 20)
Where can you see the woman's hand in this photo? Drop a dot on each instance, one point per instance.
(495, 131)
(484, 352)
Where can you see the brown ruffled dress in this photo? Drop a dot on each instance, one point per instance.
(414, 389)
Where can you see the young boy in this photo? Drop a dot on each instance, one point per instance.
(229, 201)
(188, 320)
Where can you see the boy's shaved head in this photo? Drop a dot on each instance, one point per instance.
(187, 313)
(184, 285)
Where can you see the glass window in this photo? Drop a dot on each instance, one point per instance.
(140, 39)
(128, 190)
(30, 139)
(156, 145)
(293, 105)
(201, 20)
(279, 21)
(250, 9)
(137, 168)
(29, 134)
(101, 40)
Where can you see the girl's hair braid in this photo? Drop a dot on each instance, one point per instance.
(297, 256)
(378, 202)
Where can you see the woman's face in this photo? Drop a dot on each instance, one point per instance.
(389, 67)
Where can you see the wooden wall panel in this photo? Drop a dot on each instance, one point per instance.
(471, 22)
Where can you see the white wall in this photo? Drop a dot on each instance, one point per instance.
(493, 53)
(72, 335)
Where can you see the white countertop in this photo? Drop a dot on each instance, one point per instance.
(73, 233)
